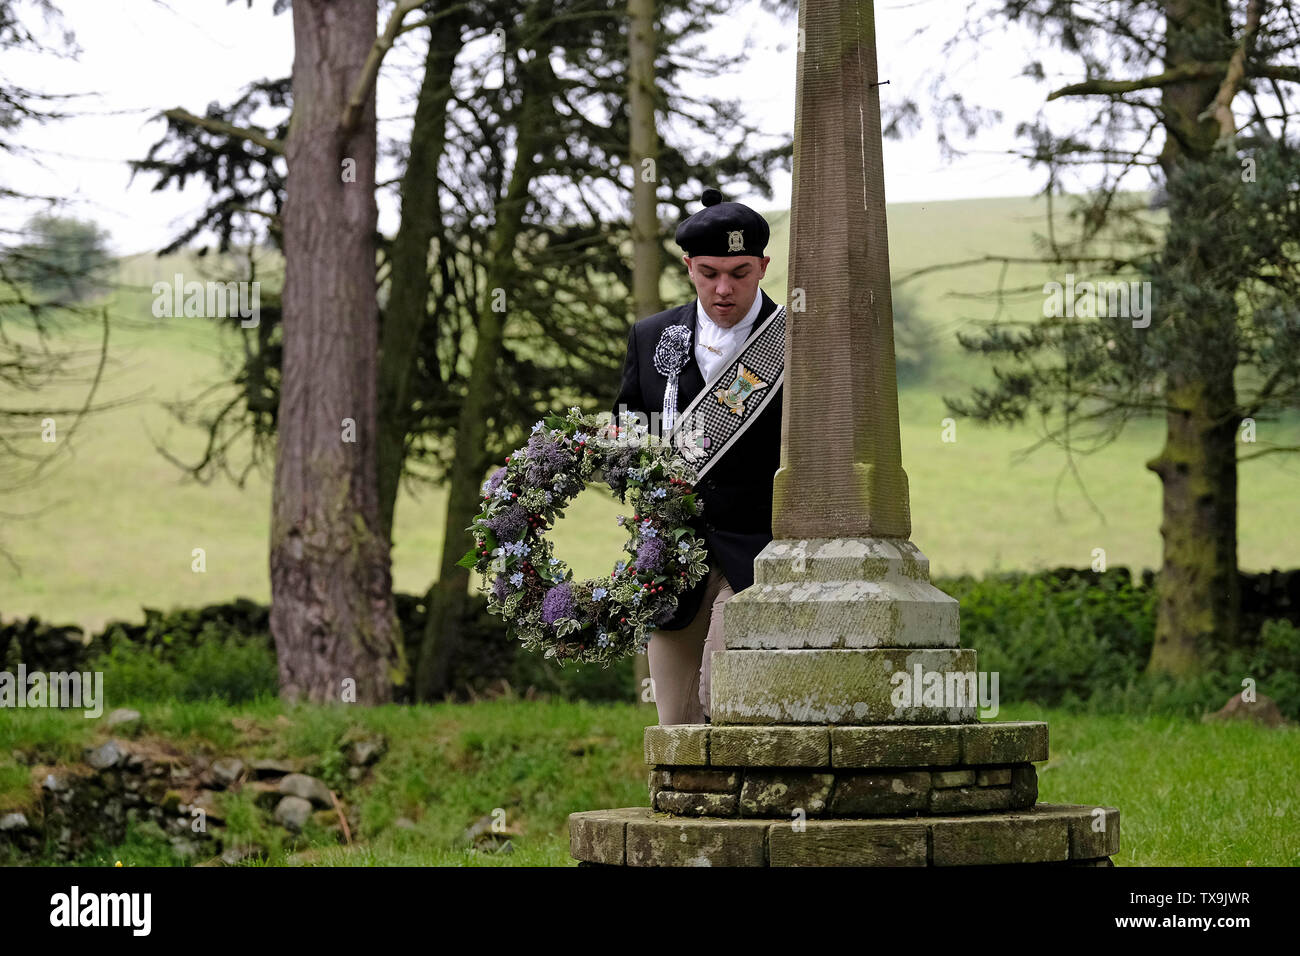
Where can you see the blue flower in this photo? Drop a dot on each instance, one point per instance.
(602, 639)
(683, 546)
(636, 598)
(581, 436)
(598, 593)
(538, 426)
(659, 493)
(554, 561)
(517, 579)
(620, 566)
(620, 519)
(635, 474)
(647, 529)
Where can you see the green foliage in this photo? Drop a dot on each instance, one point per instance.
(228, 668)
(66, 259)
(1082, 641)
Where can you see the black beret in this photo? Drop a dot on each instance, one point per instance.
(723, 229)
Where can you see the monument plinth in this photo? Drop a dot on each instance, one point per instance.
(845, 728)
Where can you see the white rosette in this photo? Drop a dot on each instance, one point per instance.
(671, 355)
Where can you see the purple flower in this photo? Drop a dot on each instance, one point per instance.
(500, 587)
(650, 556)
(558, 603)
(509, 524)
(545, 459)
(498, 476)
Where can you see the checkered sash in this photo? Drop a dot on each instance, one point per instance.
(709, 427)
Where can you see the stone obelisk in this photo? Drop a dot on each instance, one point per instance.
(845, 727)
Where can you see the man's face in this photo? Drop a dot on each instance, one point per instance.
(726, 285)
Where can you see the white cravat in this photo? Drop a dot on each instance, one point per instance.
(726, 341)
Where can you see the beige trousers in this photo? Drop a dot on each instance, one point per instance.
(680, 661)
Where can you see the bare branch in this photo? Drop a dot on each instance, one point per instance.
(256, 137)
(1221, 108)
(370, 69)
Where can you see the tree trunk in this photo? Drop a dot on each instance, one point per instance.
(1199, 604)
(407, 310)
(644, 150)
(447, 599)
(332, 616)
(1199, 590)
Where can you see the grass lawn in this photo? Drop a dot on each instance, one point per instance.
(112, 526)
(1189, 794)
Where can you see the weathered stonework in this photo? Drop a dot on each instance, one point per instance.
(831, 686)
(1000, 743)
(841, 593)
(768, 793)
(867, 794)
(677, 744)
(1044, 834)
(832, 792)
(695, 804)
(659, 840)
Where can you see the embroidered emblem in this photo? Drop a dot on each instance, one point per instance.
(736, 241)
(746, 384)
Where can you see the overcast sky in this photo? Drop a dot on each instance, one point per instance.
(140, 56)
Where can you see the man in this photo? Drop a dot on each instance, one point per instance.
(731, 337)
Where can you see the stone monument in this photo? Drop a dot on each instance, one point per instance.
(844, 715)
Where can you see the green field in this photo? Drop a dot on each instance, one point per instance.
(112, 525)
(1189, 794)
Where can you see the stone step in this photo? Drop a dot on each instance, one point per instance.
(849, 592)
(851, 686)
(852, 613)
(882, 746)
(840, 559)
(1047, 833)
(789, 792)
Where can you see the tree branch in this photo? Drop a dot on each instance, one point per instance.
(257, 138)
(1221, 108)
(370, 70)
(1103, 87)
(1179, 74)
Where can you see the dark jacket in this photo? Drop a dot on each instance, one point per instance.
(736, 517)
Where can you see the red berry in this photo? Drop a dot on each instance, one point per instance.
(622, 620)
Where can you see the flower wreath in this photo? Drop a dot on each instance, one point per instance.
(597, 619)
